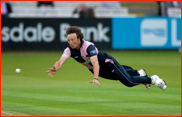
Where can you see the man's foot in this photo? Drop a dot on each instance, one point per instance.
(158, 82)
(142, 72)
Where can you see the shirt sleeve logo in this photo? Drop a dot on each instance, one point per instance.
(93, 52)
(64, 52)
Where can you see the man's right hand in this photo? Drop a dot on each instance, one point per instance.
(51, 71)
(95, 81)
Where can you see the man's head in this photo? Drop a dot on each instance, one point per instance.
(74, 35)
(82, 7)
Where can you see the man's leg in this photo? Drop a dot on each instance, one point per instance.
(125, 74)
(130, 77)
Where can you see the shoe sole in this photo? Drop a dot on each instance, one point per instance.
(148, 86)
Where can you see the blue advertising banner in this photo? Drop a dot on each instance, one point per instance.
(146, 33)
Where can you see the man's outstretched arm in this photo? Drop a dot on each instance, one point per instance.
(56, 66)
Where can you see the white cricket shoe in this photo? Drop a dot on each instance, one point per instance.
(158, 82)
(142, 72)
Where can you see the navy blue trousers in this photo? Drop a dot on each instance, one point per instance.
(125, 74)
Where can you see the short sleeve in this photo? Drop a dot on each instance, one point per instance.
(66, 53)
(91, 50)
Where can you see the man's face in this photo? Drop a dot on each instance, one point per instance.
(73, 41)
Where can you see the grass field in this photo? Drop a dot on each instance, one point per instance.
(69, 93)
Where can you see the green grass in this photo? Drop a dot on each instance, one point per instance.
(69, 92)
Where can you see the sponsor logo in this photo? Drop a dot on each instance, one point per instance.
(157, 32)
(64, 52)
(76, 57)
(93, 52)
(38, 33)
(154, 32)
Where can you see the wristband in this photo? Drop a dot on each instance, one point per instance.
(96, 78)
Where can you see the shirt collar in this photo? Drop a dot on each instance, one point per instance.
(81, 42)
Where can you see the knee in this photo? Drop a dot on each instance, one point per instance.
(129, 84)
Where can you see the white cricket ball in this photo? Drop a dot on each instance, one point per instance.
(18, 70)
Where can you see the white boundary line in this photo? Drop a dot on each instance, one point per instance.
(6, 113)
